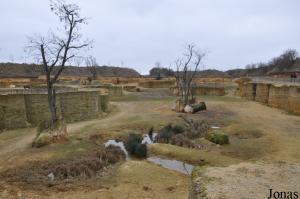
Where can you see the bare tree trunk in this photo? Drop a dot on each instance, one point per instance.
(51, 101)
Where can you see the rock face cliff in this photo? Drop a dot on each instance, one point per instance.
(31, 70)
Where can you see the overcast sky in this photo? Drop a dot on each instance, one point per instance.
(139, 33)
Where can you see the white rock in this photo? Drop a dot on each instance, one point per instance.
(188, 109)
(51, 177)
(173, 107)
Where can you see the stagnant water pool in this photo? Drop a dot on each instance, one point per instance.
(166, 163)
(172, 164)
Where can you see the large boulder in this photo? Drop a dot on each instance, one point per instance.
(188, 109)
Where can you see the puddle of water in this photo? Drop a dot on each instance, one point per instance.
(173, 165)
(117, 144)
(215, 127)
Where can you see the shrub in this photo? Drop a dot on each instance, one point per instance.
(134, 147)
(196, 129)
(131, 143)
(165, 134)
(183, 141)
(218, 138)
(140, 151)
(178, 129)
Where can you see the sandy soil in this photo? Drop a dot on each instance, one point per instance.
(249, 180)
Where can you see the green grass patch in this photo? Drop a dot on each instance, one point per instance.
(193, 156)
(218, 137)
(9, 135)
(70, 148)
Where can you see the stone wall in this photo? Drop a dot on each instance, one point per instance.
(12, 111)
(37, 109)
(262, 93)
(18, 111)
(294, 99)
(250, 91)
(278, 97)
(36, 90)
(157, 83)
(286, 97)
(202, 90)
(79, 105)
(208, 90)
(114, 91)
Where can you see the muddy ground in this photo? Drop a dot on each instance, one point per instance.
(260, 137)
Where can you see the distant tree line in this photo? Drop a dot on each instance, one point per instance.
(285, 61)
(161, 72)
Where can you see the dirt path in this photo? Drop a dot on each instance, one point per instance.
(22, 141)
(17, 144)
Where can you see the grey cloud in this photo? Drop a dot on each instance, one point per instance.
(141, 32)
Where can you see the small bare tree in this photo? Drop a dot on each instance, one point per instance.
(92, 65)
(78, 61)
(158, 67)
(58, 49)
(187, 68)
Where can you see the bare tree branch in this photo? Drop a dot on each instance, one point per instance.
(56, 50)
(186, 71)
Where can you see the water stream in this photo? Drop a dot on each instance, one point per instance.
(172, 165)
(166, 163)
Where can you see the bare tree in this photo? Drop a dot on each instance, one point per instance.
(158, 67)
(157, 64)
(78, 61)
(187, 68)
(92, 65)
(58, 49)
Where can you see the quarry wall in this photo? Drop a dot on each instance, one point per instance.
(208, 90)
(286, 97)
(203, 90)
(108, 89)
(23, 110)
(157, 83)
(262, 93)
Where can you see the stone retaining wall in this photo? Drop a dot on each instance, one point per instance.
(208, 90)
(262, 93)
(285, 97)
(18, 111)
(203, 90)
(157, 83)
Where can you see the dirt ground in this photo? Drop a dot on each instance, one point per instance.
(249, 180)
(260, 137)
